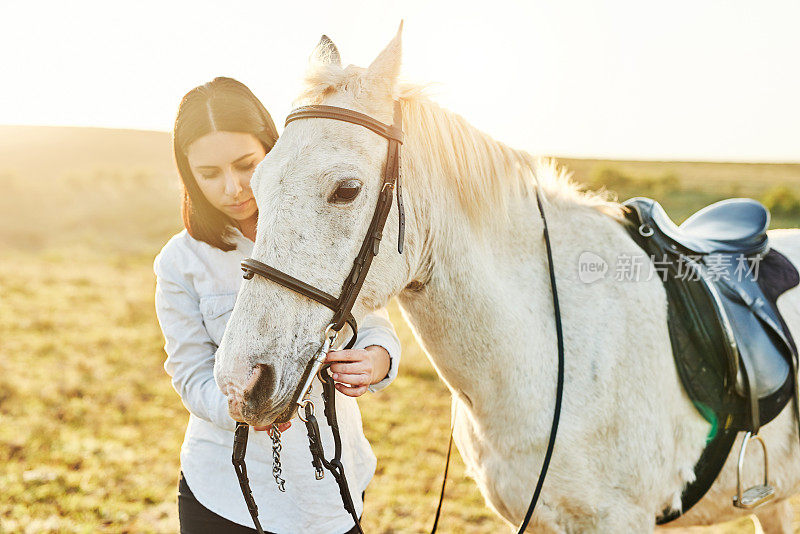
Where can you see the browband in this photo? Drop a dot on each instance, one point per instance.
(347, 115)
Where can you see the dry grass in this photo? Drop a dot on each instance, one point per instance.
(90, 427)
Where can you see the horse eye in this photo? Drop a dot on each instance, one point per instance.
(346, 191)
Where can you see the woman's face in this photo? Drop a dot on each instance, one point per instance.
(223, 163)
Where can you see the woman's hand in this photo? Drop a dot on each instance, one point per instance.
(354, 370)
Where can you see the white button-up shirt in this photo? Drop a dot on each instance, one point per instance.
(196, 288)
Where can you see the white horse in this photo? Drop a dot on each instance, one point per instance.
(473, 283)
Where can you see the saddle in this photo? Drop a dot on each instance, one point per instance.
(734, 354)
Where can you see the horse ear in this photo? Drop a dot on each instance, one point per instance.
(326, 53)
(387, 64)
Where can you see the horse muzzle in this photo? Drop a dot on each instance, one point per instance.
(253, 404)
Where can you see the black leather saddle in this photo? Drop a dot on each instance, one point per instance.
(734, 354)
(733, 226)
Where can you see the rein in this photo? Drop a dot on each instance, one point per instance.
(342, 308)
(559, 393)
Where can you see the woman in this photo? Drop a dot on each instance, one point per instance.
(221, 133)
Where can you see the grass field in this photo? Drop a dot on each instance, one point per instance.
(90, 428)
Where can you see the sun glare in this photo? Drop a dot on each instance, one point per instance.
(622, 79)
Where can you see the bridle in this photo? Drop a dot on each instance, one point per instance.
(342, 314)
(342, 306)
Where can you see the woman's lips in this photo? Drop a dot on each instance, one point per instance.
(241, 206)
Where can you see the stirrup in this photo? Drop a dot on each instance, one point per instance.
(756, 495)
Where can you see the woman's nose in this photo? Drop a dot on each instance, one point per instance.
(232, 185)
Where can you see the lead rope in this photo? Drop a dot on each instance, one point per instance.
(559, 391)
(334, 465)
(239, 449)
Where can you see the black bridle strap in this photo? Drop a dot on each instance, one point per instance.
(444, 477)
(559, 391)
(371, 244)
(239, 449)
(335, 465)
(252, 267)
(393, 132)
(351, 288)
(560, 381)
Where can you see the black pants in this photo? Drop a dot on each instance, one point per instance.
(197, 519)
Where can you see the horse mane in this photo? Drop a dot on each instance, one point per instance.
(484, 172)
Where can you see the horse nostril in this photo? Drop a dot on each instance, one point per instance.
(261, 384)
(235, 408)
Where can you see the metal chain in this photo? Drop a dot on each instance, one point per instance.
(275, 434)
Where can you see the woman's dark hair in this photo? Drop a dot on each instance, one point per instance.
(223, 104)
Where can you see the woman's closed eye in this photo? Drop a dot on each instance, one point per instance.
(209, 175)
(247, 166)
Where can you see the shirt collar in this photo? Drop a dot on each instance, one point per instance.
(243, 243)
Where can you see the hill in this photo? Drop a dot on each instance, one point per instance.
(118, 189)
(39, 151)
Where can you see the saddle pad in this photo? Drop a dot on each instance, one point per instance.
(778, 276)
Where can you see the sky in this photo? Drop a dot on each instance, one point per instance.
(685, 79)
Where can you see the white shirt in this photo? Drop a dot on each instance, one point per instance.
(196, 288)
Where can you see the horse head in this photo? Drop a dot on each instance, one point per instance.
(317, 190)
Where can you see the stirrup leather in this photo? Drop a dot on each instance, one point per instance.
(756, 495)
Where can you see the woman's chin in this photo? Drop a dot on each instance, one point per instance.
(242, 214)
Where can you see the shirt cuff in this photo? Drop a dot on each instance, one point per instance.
(394, 359)
(383, 336)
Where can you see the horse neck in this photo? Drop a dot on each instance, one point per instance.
(476, 293)
(485, 315)
(480, 298)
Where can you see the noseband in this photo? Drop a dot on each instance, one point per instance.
(341, 306)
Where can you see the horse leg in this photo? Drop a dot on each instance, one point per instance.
(776, 518)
